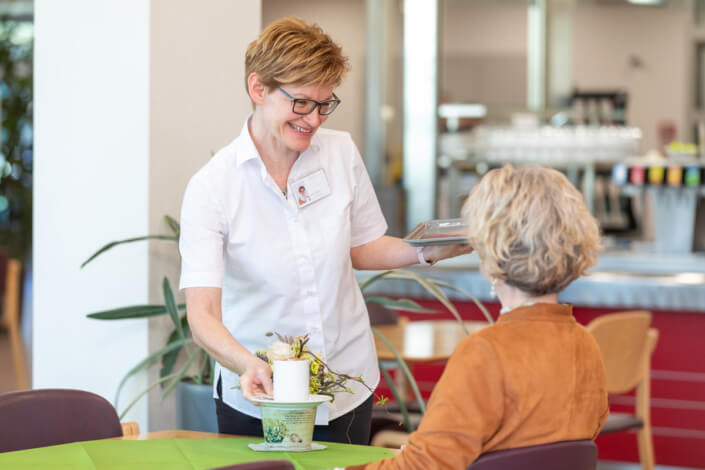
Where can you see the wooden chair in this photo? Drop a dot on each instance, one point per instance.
(627, 343)
(10, 319)
(45, 417)
(573, 455)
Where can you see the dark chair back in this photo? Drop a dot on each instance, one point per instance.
(261, 465)
(573, 455)
(45, 417)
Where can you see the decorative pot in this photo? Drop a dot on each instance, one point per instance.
(195, 407)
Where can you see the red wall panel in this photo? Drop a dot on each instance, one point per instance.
(678, 385)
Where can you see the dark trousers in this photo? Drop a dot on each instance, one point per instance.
(351, 428)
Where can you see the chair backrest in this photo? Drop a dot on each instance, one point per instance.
(573, 455)
(623, 341)
(45, 417)
(261, 465)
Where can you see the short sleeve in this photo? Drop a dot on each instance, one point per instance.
(202, 236)
(367, 220)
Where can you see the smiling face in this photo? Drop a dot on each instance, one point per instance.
(288, 131)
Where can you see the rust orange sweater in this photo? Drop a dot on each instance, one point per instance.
(536, 376)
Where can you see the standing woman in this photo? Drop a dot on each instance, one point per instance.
(254, 260)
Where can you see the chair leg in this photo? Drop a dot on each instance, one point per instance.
(18, 358)
(643, 405)
(11, 309)
(646, 448)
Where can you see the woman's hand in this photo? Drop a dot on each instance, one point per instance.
(256, 379)
(433, 254)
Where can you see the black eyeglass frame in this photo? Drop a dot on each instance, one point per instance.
(335, 102)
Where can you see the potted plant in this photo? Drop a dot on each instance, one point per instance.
(193, 377)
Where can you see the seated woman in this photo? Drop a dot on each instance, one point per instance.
(535, 376)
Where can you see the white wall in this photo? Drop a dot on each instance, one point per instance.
(483, 52)
(345, 22)
(131, 99)
(90, 187)
(606, 36)
(484, 27)
(198, 104)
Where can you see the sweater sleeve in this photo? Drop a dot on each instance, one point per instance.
(464, 412)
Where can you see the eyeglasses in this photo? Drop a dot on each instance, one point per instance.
(305, 106)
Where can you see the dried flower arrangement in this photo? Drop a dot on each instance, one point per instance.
(323, 381)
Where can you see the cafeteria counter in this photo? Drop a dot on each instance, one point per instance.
(622, 279)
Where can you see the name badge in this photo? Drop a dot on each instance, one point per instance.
(310, 189)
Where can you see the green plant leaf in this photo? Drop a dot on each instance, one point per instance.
(402, 406)
(173, 225)
(128, 240)
(170, 304)
(406, 305)
(372, 279)
(199, 376)
(404, 369)
(143, 393)
(427, 283)
(479, 304)
(181, 373)
(147, 361)
(169, 359)
(135, 311)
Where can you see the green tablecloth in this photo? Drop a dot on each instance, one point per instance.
(179, 454)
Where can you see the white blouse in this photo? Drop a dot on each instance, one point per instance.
(282, 267)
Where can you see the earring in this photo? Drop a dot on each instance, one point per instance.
(493, 292)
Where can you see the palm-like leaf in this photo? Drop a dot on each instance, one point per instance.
(181, 373)
(405, 305)
(135, 311)
(170, 304)
(169, 359)
(173, 225)
(128, 240)
(143, 393)
(428, 284)
(479, 305)
(402, 406)
(405, 370)
(149, 360)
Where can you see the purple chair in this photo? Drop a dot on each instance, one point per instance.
(46, 417)
(261, 465)
(565, 455)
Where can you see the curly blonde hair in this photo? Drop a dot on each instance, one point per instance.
(291, 51)
(531, 228)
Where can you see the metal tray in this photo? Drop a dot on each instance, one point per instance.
(438, 232)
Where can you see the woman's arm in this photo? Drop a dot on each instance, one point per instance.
(392, 252)
(205, 320)
(465, 410)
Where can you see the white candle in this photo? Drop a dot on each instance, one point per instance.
(291, 380)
